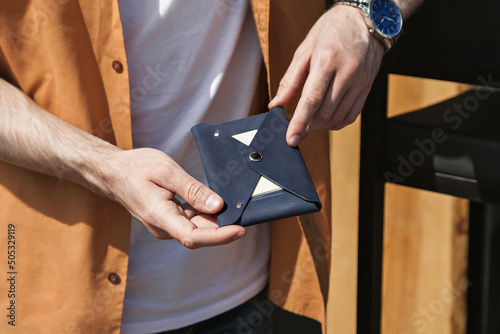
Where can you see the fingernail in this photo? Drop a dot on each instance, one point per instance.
(294, 141)
(273, 100)
(239, 235)
(212, 203)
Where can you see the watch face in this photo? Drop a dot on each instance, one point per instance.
(386, 17)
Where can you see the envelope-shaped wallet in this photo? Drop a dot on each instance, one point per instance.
(250, 165)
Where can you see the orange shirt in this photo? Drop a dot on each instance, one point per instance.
(71, 244)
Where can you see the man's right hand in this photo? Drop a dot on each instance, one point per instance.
(146, 181)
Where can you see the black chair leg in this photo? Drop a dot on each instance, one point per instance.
(370, 253)
(483, 295)
(371, 213)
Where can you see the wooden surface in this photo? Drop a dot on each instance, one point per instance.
(425, 236)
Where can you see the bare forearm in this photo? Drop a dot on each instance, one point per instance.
(408, 6)
(33, 138)
(145, 181)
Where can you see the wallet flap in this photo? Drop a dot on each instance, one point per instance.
(233, 169)
(278, 162)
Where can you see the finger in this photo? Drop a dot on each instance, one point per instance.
(204, 237)
(166, 219)
(205, 232)
(202, 231)
(205, 221)
(337, 115)
(313, 94)
(158, 232)
(170, 220)
(195, 193)
(189, 211)
(353, 113)
(328, 109)
(291, 82)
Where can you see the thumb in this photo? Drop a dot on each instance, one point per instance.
(200, 197)
(195, 193)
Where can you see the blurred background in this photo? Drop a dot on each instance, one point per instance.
(425, 239)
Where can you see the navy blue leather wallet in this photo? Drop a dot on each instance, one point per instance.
(250, 165)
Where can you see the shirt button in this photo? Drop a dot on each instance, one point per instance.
(117, 66)
(114, 278)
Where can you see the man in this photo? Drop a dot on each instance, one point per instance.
(91, 90)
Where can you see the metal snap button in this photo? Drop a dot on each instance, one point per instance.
(216, 133)
(114, 278)
(117, 66)
(255, 156)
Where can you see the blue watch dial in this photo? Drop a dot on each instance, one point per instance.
(386, 17)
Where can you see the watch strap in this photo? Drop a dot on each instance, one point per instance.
(363, 6)
(360, 4)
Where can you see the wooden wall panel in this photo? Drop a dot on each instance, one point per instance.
(345, 146)
(425, 236)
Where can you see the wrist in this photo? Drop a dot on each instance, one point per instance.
(383, 18)
(355, 18)
(96, 170)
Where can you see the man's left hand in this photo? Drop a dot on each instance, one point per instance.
(336, 63)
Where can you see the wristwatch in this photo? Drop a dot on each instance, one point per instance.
(383, 18)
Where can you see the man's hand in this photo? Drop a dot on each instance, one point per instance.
(337, 63)
(146, 181)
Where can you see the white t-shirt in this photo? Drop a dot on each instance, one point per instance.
(190, 62)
